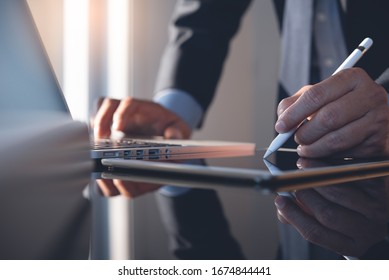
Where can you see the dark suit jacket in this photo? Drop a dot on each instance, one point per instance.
(201, 31)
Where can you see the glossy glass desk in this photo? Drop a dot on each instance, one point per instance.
(161, 217)
(148, 218)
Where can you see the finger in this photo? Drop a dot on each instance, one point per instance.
(329, 118)
(281, 218)
(139, 117)
(333, 216)
(317, 96)
(304, 163)
(284, 105)
(126, 188)
(104, 116)
(123, 118)
(142, 117)
(311, 229)
(367, 197)
(286, 102)
(133, 189)
(107, 187)
(365, 132)
(347, 195)
(279, 202)
(360, 103)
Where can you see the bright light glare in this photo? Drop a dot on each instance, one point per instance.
(119, 75)
(76, 57)
(118, 48)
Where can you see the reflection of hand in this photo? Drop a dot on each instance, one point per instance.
(125, 188)
(347, 218)
(348, 103)
(138, 117)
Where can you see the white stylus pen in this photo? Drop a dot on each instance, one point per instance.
(348, 63)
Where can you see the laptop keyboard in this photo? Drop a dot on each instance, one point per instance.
(126, 143)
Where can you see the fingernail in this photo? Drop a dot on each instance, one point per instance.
(279, 201)
(280, 126)
(115, 125)
(299, 150)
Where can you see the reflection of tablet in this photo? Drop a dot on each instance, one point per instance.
(249, 171)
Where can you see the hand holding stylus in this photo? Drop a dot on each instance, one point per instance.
(348, 116)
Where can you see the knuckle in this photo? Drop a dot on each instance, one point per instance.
(108, 105)
(334, 142)
(301, 138)
(314, 96)
(356, 72)
(305, 88)
(328, 119)
(110, 102)
(128, 101)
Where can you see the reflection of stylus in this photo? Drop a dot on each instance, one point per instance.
(274, 170)
(349, 62)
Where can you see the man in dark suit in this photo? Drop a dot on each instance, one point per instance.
(353, 102)
(199, 40)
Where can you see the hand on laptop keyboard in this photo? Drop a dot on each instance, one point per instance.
(139, 117)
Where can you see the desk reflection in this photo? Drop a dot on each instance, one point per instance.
(321, 223)
(194, 220)
(51, 215)
(350, 219)
(127, 189)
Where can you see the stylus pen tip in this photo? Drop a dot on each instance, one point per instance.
(268, 153)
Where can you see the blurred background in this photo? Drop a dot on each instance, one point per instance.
(113, 48)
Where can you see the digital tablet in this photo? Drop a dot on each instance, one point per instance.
(283, 171)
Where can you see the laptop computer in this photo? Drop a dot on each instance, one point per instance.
(279, 174)
(28, 84)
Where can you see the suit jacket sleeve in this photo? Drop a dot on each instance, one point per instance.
(199, 37)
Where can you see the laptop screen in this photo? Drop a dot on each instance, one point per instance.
(27, 81)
